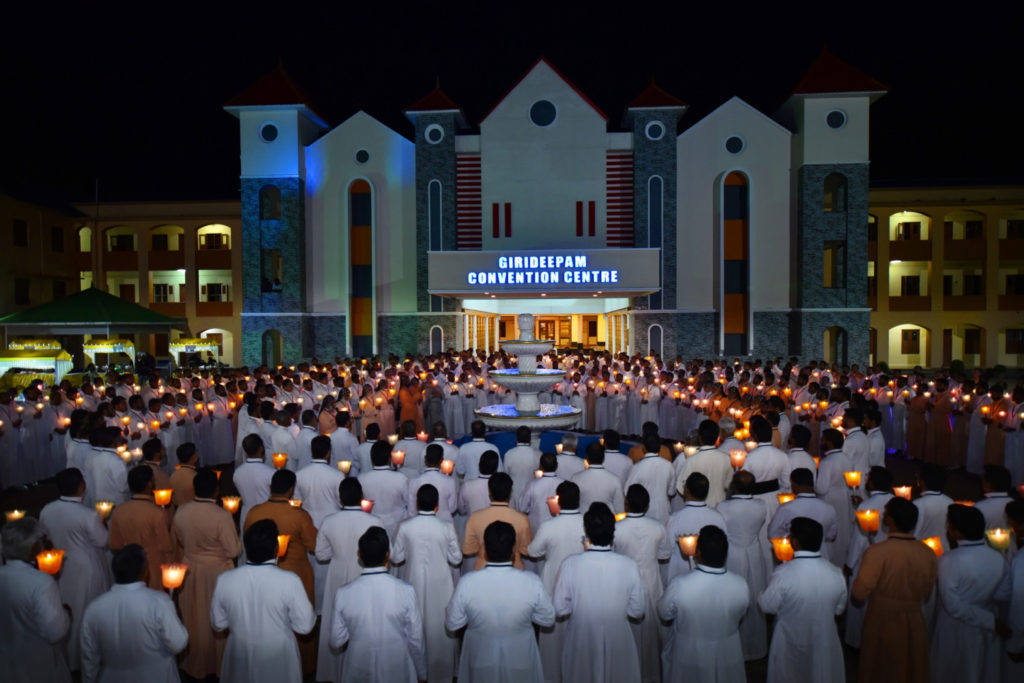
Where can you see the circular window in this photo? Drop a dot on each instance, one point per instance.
(543, 113)
(268, 132)
(362, 156)
(654, 130)
(836, 119)
(434, 133)
(734, 145)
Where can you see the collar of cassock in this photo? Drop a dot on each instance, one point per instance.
(254, 460)
(382, 467)
(599, 549)
(696, 504)
(742, 496)
(425, 513)
(71, 499)
(805, 553)
(133, 586)
(352, 507)
(997, 494)
(143, 496)
(710, 570)
(964, 543)
(872, 494)
(205, 500)
(806, 495)
(634, 514)
(931, 493)
(548, 474)
(705, 448)
(272, 562)
(568, 512)
(497, 564)
(652, 455)
(369, 571)
(834, 450)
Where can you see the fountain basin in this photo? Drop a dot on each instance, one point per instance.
(526, 383)
(547, 416)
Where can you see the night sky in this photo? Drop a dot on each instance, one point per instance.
(135, 100)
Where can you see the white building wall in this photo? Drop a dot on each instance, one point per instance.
(817, 143)
(280, 158)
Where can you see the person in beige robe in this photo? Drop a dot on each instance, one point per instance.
(141, 521)
(296, 523)
(206, 533)
(181, 479)
(896, 577)
(499, 487)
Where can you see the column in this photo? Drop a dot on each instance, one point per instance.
(487, 334)
(622, 334)
(473, 336)
(465, 330)
(497, 329)
(610, 334)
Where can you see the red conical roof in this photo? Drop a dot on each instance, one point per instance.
(653, 97)
(276, 87)
(435, 100)
(829, 74)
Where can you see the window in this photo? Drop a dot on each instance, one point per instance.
(872, 229)
(543, 113)
(835, 193)
(213, 241)
(910, 342)
(1015, 285)
(501, 330)
(947, 285)
(160, 243)
(268, 132)
(734, 145)
(216, 292)
(974, 230)
(270, 203)
(836, 119)
(974, 285)
(910, 285)
(972, 341)
(835, 265)
(122, 243)
(433, 133)
(21, 291)
(910, 230)
(654, 130)
(362, 156)
(161, 293)
(433, 214)
(20, 233)
(1015, 341)
(1015, 229)
(57, 239)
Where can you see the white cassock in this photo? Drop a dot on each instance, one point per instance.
(414, 451)
(859, 542)
(252, 480)
(106, 477)
(131, 634)
(857, 448)
(428, 547)
(264, 607)
(705, 608)
(713, 464)
(78, 453)
(746, 519)
(876, 450)
(337, 542)
(806, 594)
(80, 532)
(33, 623)
(598, 485)
(932, 510)
(993, 507)
(447, 496)
(316, 485)
(688, 521)
(498, 607)
(830, 486)
(807, 505)
(304, 444)
(647, 543)
(555, 540)
(1011, 591)
(770, 467)
(599, 590)
(964, 645)
(219, 447)
(533, 500)
(282, 441)
(389, 491)
(520, 463)
(360, 459)
(569, 464)
(467, 463)
(378, 624)
(345, 446)
(798, 458)
(656, 475)
(247, 424)
(618, 464)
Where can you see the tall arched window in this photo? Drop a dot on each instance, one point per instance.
(655, 340)
(436, 340)
(735, 304)
(270, 203)
(835, 192)
(434, 225)
(360, 232)
(655, 231)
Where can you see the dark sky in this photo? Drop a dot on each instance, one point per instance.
(135, 99)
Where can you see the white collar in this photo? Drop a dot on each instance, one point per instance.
(806, 495)
(806, 553)
(374, 570)
(71, 499)
(710, 570)
(696, 504)
(997, 494)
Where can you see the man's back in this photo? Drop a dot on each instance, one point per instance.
(557, 539)
(140, 521)
(533, 500)
(688, 521)
(598, 485)
(252, 480)
(656, 475)
(520, 463)
(713, 464)
(33, 622)
(134, 631)
(473, 543)
(389, 491)
(447, 497)
(317, 486)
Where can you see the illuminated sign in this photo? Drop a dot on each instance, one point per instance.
(613, 272)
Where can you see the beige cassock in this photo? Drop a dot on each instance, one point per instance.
(140, 521)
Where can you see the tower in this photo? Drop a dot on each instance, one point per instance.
(276, 122)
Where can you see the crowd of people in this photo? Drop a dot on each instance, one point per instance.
(701, 515)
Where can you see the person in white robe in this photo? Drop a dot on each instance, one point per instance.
(806, 594)
(426, 548)
(656, 475)
(746, 520)
(705, 608)
(769, 465)
(709, 461)
(799, 438)
(304, 442)
(448, 498)
(533, 499)
(596, 484)
(996, 485)
(263, 607)
(252, 479)
(377, 621)
(80, 532)
(498, 607)
(283, 441)
(830, 484)
(344, 444)
(106, 476)
(413, 448)
(932, 505)
(388, 489)
(336, 542)
(1011, 595)
(316, 485)
(689, 520)
(857, 446)
(599, 591)
(521, 461)
(964, 644)
(647, 543)
(619, 464)
(33, 621)
(555, 540)
(467, 464)
(876, 440)
(219, 448)
(361, 458)
(806, 504)
(131, 633)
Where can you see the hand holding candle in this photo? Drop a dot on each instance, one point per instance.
(447, 466)
(162, 497)
(104, 508)
(902, 491)
(397, 458)
(345, 466)
(998, 538)
(366, 505)
(785, 497)
(852, 479)
(935, 543)
(737, 457)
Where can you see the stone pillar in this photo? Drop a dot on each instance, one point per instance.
(487, 334)
(465, 331)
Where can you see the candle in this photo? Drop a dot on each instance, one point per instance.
(447, 466)
(40, 406)
(104, 508)
(751, 445)
(868, 520)
(785, 497)
(690, 450)
(852, 479)
(619, 516)
(122, 451)
(935, 543)
(66, 421)
(50, 561)
(162, 497)
(139, 426)
(279, 459)
(968, 503)
(558, 448)
(173, 574)
(398, 458)
(231, 503)
(169, 415)
(687, 544)
(393, 439)
(282, 544)
(998, 538)
(422, 436)
(295, 502)
(737, 457)
(553, 507)
(345, 466)
(136, 454)
(125, 420)
(155, 424)
(367, 505)
(13, 515)
(902, 491)
(538, 473)
(678, 446)
(79, 400)
(817, 460)
(783, 549)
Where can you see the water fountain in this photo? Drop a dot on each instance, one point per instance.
(527, 381)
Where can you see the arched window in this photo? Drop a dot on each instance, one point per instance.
(273, 347)
(655, 341)
(436, 339)
(835, 192)
(735, 304)
(434, 213)
(85, 240)
(270, 203)
(655, 215)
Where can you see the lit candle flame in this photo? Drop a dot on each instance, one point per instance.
(282, 544)
(104, 508)
(868, 520)
(687, 544)
(935, 543)
(231, 503)
(783, 549)
(162, 497)
(280, 459)
(50, 561)
(173, 574)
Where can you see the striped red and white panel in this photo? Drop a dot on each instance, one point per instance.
(619, 188)
(468, 208)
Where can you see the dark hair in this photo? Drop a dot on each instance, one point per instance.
(761, 429)
(488, 462)
(652, 443)
(998, 477)
(408, 429)
(880, 478)
(800, 435)
(967, 520)
(708, 431)
(568, 495)
(807, 532)
(350, 492)
(128, 563)
(380, 453)
(260, 541)
(426, 497)
(713, 546)
(802, 476)
(252, 445)
(205, 483)
(282, 481)
(638, 498)
(372, 431)
(833, 437)
(903, 514)
(649, 429)
(433, 456)
(595, 453)
(68, 481)
(308, 417)
(477, 429)
(612, 441)
(1015, 511)
(499, 541)
(743, 482)
(523, 435)
(698, 485)
(320, 448)
(151, 449)
(374, 547)
(139, 478)
(548, 462)
(500, 487)
(933, 476)
(599, 524)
